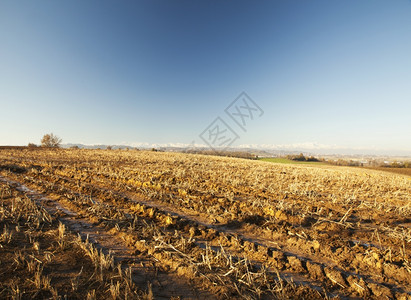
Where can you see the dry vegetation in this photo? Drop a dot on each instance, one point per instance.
(403, 171)
(136, 224)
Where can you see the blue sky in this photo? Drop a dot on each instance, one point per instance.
(113, 72)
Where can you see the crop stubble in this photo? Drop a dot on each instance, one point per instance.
(227, 227)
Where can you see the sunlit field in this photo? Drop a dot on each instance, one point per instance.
(142, 224)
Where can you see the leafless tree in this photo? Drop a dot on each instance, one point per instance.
(50, 141)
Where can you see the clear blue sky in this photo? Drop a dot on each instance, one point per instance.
(329, 72)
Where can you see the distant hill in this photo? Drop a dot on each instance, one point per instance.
(259, 150)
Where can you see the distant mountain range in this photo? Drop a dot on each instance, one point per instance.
(258, 149)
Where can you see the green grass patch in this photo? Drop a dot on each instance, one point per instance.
(289, 161)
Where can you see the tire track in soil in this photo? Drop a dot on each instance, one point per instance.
(98, 234)
(144, 269)
(253, 242)
(296, 260)
(314, 267)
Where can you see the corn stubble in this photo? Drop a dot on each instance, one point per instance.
(224, 227)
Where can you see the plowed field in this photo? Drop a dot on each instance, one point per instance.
(139, 224)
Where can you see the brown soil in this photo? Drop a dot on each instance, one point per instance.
(189, 228)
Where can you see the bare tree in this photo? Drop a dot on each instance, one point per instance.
(51, 141)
